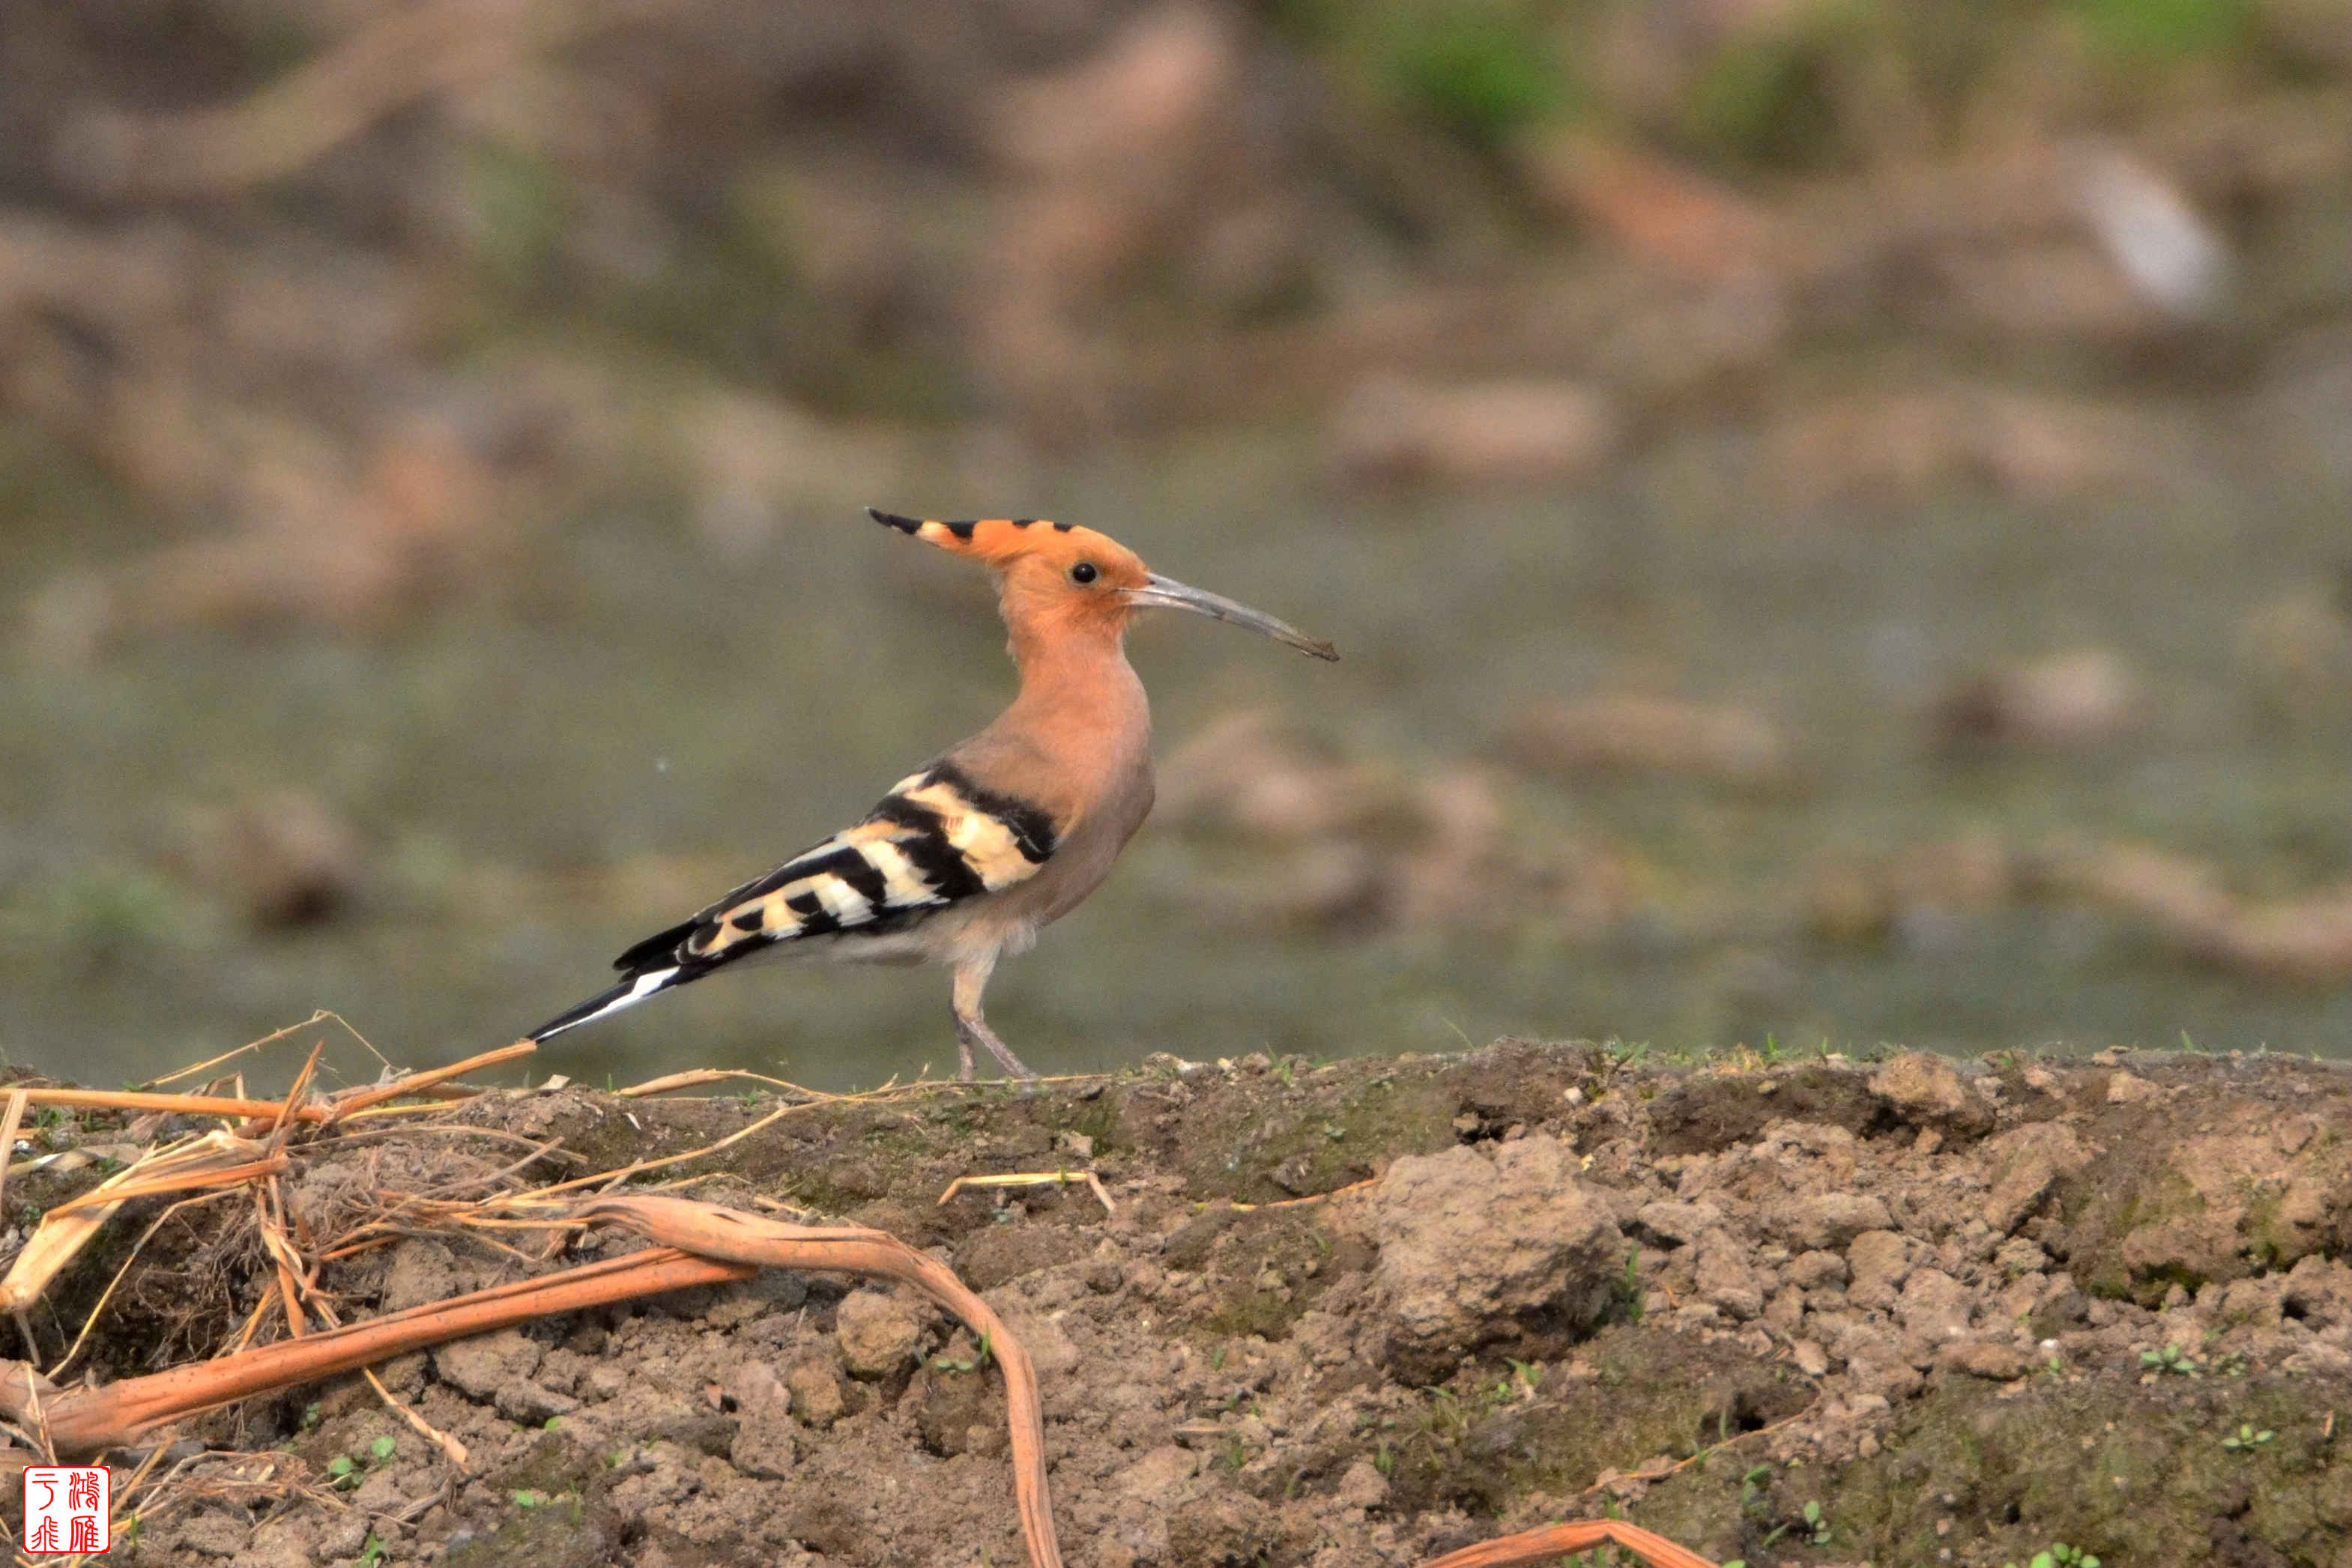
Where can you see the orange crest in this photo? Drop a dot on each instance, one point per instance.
(1004, 542)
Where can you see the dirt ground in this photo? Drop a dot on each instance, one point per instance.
(1802, 1311)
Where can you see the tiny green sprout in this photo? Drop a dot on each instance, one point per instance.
(549, 1424)
(343, 1470)
(2246, 1439)
(383, 1448)
(1817, 1524)
(529, 1499)
(374, 1551)
(1629, 1285)
(311, 1414)
(2060, 1555)
(1384, 1459)
(2171, 1358)
(1217, 1359)
(974, 1362)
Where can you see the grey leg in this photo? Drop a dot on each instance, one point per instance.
(971, 1026)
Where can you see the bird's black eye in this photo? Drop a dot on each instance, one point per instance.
(1084, 572)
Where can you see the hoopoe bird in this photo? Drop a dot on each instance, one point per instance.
(963, 861)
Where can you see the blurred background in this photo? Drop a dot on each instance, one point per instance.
(1836, 511)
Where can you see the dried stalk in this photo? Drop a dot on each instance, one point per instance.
(1533, 1546)
(178, 1104)
(13, 1118)
(108, 1197)
(354, 1100)
(214, 1160)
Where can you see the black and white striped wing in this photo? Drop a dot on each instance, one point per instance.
(936, 840)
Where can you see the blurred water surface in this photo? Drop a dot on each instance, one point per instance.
(1835, 515)
(541, 774)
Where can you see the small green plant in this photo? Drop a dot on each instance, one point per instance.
(973, 1362)
(1384, 1459)
(529, 1499)
(1751, 1488)
(374, 1551)
(2060, 1555)
(2229, 1364)
(345, 1469)
(1629, 1286)
(1811, 1523)
(2246, 1439)
(2172, 1359)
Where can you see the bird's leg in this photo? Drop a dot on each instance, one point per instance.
(971, 980)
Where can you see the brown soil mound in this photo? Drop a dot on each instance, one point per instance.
(1909, 1310)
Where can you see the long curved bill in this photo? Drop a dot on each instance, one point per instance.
(1168, 593)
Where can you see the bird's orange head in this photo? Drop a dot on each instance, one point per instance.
(1062, 579)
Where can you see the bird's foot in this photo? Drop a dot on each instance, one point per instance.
(970, 1029)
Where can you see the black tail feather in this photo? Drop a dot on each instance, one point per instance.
(628, 993)
(655, 950)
